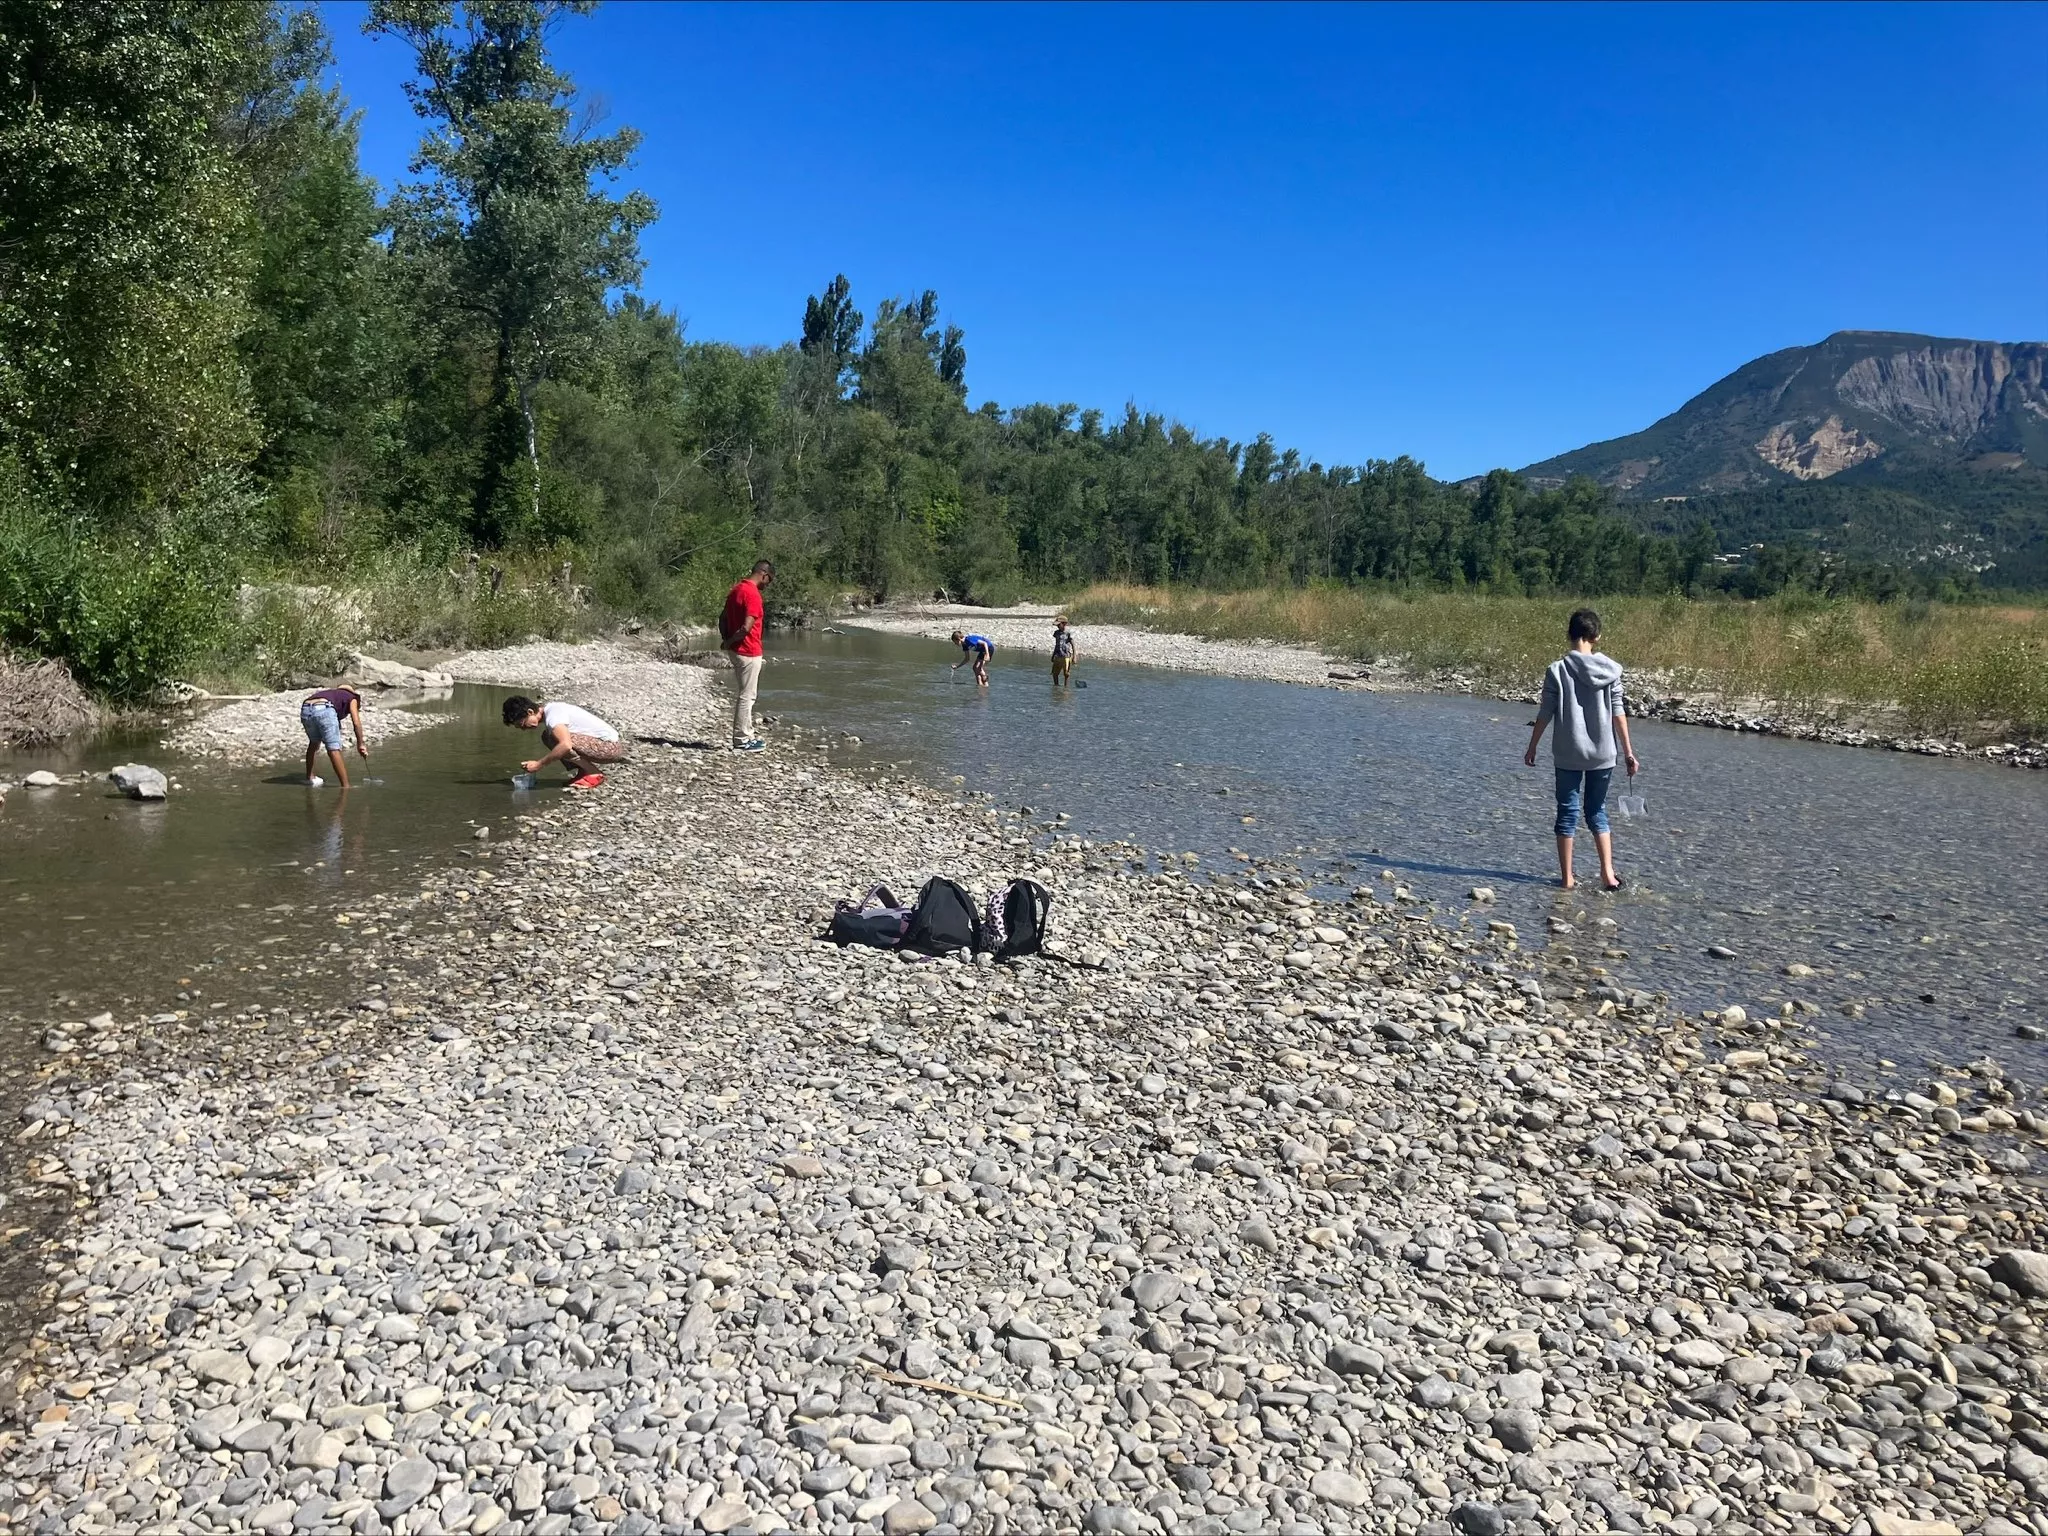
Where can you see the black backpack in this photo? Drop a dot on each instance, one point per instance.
(943, 920)
(877, 919)
(1016, 925)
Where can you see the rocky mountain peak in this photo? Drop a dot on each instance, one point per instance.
(1868, 402)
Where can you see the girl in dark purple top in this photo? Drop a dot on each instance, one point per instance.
(321, 715)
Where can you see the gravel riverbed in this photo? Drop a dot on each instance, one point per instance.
(637, 694)
(267, 730)
(592, 1192)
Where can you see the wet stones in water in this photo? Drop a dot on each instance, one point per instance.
(1720, 952)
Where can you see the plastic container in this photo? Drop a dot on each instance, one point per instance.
(523, 781)
(1631, 804)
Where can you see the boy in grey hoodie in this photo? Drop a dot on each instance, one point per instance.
(1582, 693)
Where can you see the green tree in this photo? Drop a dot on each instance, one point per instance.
(832, 330)
(123, 263)
(321, 340)
(512, 240)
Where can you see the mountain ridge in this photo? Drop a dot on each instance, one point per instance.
(1882, 444)
(1812, 412)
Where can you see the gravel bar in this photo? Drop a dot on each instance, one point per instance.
(251, 732)
(611, 1199)
(637, 694)
(1027, 631)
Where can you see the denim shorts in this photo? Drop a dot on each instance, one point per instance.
(1568, 791)
(323, 726)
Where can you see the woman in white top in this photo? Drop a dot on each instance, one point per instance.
(575, 738)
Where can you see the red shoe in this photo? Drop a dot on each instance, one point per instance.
(588, 781)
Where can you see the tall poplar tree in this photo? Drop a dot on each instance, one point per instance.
(512, 239)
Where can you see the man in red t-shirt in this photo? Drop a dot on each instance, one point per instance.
(739, 630)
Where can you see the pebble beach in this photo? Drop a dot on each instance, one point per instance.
(607, 1197)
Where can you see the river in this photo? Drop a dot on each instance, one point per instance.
(1916, 889)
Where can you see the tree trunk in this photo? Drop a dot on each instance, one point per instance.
(532, 444)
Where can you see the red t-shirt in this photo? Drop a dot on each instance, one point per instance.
(741, 604)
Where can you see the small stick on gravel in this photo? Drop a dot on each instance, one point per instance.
(897, 1378)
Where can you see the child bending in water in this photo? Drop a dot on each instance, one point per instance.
(978, 649)
(320, 716)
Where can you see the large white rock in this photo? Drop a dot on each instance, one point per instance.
(371, 672)
(139, 781)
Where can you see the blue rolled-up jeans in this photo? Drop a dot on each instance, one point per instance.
(1569, 782)
(322, 725)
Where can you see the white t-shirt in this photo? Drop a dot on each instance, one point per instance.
(579, 721)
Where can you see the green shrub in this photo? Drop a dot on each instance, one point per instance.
(285, 633)
(126, 610)
(409, 599)
(630, 579)
(2006, 683)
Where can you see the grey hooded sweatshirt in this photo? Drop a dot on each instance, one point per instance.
(1582, 693)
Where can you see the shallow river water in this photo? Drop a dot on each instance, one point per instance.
(1915, 888)
(106, 904)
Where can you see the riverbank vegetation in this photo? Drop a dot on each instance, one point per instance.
(1976, 670)
(255, 409)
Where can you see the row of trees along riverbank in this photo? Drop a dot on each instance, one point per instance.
(224, 355)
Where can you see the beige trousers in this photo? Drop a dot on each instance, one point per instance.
(746, 682)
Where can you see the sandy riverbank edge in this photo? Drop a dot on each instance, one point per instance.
(607, 1198)
(1026, 629)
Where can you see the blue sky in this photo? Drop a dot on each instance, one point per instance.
(1475, 235)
